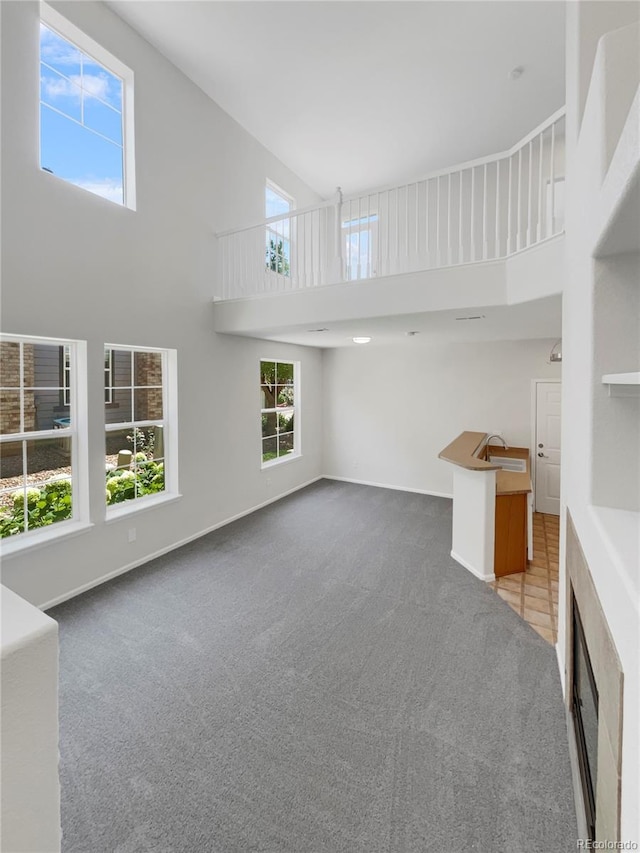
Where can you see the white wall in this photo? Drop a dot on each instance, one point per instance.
(600, 461)
(77, 266)
(389, 410)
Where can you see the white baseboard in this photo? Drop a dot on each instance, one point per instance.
(387, 486)
(160, 552)
(472, 569)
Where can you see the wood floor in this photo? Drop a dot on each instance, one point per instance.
(534, 594)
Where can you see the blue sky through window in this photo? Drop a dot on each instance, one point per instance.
(81, 136)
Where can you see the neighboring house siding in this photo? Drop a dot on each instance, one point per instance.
(47, 369)
(120, 407)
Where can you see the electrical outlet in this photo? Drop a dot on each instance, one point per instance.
(268, 481)
(132, 534)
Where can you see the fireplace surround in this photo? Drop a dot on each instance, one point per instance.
(594, 678)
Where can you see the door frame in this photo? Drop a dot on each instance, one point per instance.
(534, 419)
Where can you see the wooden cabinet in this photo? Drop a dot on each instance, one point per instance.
(510, 554)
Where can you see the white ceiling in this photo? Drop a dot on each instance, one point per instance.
(364, 94)
(541, 318)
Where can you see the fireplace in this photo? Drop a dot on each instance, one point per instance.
(584, 708)
(595, 689)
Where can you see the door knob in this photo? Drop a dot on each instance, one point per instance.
(543, 455)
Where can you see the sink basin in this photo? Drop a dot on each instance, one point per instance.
(508, 463)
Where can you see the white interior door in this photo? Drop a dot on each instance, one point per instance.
(547, 449)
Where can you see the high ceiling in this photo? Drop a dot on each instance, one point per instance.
(364, 94)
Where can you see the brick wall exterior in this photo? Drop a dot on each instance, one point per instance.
(148, 371)
(10, 379)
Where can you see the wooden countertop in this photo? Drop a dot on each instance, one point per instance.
(468, 450)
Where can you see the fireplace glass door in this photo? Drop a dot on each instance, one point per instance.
(585, 718)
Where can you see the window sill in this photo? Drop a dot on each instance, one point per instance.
(137, 505)
(284, 459)
(44, 537)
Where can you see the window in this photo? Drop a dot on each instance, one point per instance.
(42, 465)
(279, 418)
(278, 234)
(360, 241)
(86, 112)
(140, 432)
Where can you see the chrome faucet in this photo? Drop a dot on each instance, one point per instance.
(504, 443)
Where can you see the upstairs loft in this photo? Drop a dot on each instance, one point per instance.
(484, 233)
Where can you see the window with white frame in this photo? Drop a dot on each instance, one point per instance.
(278, 233)
(141, 457)
(279, 420)
(42, 458)
(66, 375)
(360, 246)
(86, 112)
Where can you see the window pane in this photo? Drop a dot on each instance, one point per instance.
(11, 518)
(43, 366)
(275, 204)
(119, 448)
(268, 396)
(285, 395)
(10, 464)
(9, 364)
(9, 413)
(147, 368)
(285, 444)
(100, 117)
(149, 478)
(267, 372)
(268, 425)
(147, 404)
(269, 449)
(47, 458)
(49, 498)
(42, 411)
(78, 155)
(122, 359)
(100, 83)
(285, 421)
(60, 93)
(285, 373)
(59, 53)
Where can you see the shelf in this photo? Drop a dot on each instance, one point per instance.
(622, 384)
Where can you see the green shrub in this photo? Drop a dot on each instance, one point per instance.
(147, 479)
(45, 505)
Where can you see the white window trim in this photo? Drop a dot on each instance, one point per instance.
(297, 433)
(78, 433)
(55, 21)
(108, 375)
(170, 435)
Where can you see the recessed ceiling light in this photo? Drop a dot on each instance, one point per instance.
(411, 334)
(516, 73)
(361, 340)
(475, 317)
(317, 330)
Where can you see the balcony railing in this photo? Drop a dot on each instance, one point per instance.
(483, 210)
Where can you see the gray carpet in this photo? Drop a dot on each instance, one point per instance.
(319, 677)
